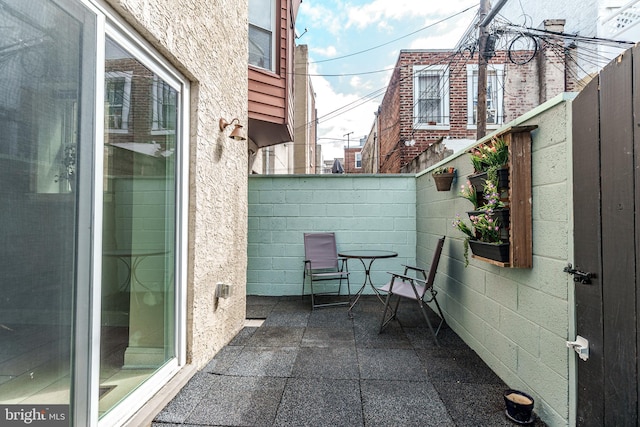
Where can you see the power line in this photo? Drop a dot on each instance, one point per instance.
(395, 40)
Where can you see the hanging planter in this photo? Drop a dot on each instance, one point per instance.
(501, 215)
(443, 177)
(502, 179)
(494, 251)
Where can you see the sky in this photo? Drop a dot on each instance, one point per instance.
(353, 47)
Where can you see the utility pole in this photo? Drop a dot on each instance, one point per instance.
(484, 18)
(481, 106)
(347, 163)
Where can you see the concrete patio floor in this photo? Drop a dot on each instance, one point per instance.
(320, 368)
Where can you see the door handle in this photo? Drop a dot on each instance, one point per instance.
(580, 346)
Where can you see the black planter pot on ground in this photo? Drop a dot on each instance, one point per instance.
(519, 406)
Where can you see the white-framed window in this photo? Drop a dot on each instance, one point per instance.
(431, 96)
(262, 32)
(163, 107)
(495, 95)
(117, 95)
(358, 162)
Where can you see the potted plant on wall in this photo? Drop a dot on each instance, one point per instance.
(489, 224)
(483, 237)
(493, 205)
(443, 177)
(490, 162)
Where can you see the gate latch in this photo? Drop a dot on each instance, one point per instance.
(581, 346)
(579, 276)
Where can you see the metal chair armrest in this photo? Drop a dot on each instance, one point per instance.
(408, 278)
(411, 267)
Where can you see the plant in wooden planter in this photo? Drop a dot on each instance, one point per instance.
(469, 192)
(443, 177)
(490, 203)
(484, 238)
(489, 224)
(490, 162)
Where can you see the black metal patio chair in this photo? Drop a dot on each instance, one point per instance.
(420, 289)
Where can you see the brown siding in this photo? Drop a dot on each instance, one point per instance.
(271, 93)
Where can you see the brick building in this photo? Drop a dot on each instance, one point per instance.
(353, 160)
(432, 97)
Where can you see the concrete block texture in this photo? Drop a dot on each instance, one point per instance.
(365, 212)
(516, 319)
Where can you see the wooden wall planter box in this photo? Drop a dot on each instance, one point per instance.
(494, 253)
(519, 191)
(443, 181)
(520, 196)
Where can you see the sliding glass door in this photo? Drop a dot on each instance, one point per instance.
(92, 192)
(139, 222)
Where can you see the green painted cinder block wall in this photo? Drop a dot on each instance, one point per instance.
(517, 320)
(365, 211)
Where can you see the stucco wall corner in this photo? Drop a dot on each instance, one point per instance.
(207, 42)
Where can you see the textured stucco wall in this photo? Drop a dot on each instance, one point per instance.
(207, 42)
(365, 211)
(517, 320)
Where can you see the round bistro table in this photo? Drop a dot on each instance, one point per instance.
(366, 257)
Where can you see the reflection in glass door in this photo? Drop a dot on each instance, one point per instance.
(43, 66)
(139, 226)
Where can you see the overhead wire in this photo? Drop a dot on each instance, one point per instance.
(555, 41)
(395, 40)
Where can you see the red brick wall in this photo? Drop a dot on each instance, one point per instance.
(389, 122)
(350, 160)
(521, 94)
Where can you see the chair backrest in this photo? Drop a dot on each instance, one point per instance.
(321, 250)
(434, 262)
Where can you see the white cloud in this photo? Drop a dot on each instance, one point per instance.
(379, 11)
(328, 51)
(338, 29)
(322, 17)
(340, 114)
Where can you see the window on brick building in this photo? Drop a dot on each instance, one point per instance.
(262, 33)
(431, 96)
(163, 119)
(117, 96)
(359, 160)
(495, 95)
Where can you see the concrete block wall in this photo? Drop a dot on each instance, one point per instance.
(365, 211)
(517, 320)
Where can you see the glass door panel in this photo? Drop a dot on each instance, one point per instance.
(139, 226)
(41, 76)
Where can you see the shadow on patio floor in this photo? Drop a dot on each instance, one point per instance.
(320, 368)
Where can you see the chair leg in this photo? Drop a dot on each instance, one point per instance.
(395, 310)
(426, 317)
(304, 280)
(433, 298)
(386, 321)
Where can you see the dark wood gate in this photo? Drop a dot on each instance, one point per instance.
(606, 162)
